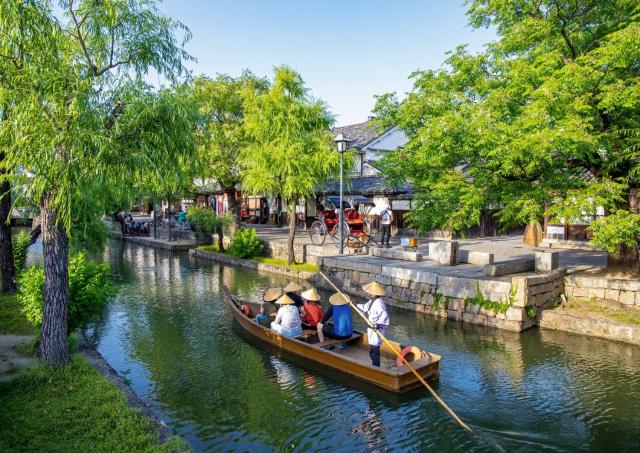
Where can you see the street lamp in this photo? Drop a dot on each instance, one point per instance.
(341, 146)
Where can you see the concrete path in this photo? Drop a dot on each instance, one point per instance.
(12, 362)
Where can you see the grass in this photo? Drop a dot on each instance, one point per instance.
(11, 318)
(308, 267)
(72, 408)
(607, 309)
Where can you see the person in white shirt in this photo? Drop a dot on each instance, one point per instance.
(288, 322)
(376, 312)
(386, 217)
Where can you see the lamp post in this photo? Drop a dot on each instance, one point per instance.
(341, 146)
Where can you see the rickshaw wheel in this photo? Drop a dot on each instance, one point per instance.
(318, 232)
(335, 234)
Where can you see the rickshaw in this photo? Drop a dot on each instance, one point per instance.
(356, 229)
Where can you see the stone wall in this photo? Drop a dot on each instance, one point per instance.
(626, 292)
(520, 300)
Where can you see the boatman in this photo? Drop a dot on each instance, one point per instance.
(375, 311)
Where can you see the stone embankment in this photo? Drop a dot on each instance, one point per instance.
(510, 303)
(626, 292)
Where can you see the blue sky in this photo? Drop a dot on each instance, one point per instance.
(346, 51)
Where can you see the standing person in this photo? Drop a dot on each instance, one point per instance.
(311, 311)
(375, 311)
(287, 321)
(340, 312)
(182, 216)
(292, 290)
(386, 217)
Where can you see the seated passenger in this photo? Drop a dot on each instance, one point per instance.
(340, 312)
(292, 290)
(287, 321)
(311, 311)
(270, 296)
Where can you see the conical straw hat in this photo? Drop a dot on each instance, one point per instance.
(339, 299)
(311, 294)
(374, 288)
(292, 287)
(272, 294)
(285, 300)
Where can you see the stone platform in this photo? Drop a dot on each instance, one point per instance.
(160, 243)
(462, 292)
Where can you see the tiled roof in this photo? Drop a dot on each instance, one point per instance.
(366, 185)
(360, 134)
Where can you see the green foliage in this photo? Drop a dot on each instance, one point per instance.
(89, 289)
(487, 304)
(618, 228)
(20, 245)
(548, 114)
(12, 319)
(439, 299)
(530, 311)
(246, 244)
(80, 404)
(307, 267)
(206, 220)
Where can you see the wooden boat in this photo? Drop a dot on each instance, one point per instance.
(353, 359)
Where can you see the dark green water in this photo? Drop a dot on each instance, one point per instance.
(171, 335)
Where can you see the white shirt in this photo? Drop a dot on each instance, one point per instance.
(376, 312)
(385, 216)
(288, 321)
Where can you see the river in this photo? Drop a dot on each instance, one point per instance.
(169, 333)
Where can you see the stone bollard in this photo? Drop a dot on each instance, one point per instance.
(444, 252)
(546, 261)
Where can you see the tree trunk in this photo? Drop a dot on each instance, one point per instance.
(220, 231)
(170, 216)
(232, 205)
(7, 267)
(53, 341)
(291, 257)
(278, 218)
(625, 261)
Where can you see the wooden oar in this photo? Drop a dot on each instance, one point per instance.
(413, 370)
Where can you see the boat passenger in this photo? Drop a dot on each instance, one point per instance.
(292, 290)
(270, 296)
(287, 321)
(376, 312)
(340, 313)
(311, 311)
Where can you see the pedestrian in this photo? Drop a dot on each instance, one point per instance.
(375, 311)
(386, 217)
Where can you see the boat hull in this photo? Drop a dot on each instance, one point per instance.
(397, 380)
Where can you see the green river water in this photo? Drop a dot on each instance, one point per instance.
(171, 336)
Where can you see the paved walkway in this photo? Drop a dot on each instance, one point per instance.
(503, 247)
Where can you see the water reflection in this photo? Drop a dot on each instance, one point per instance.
(170, 331)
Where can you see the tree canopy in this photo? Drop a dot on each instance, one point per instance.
(548, 115)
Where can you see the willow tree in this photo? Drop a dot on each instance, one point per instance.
(221, 132)
(535, 125)
(291, 150)
(63, 100)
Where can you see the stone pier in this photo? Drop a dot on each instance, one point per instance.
(461, 293)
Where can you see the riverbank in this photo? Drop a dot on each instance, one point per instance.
(177, 245)
(88, 407)
(265, 267)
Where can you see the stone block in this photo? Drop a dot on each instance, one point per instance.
(396, 254)
(444, 252)
(473, 309)
(410, 274)
(638, 298)
(598, 292)
(612, 294)
(581, 292)
(454, 314)
(486, 312)
(404, 283)
(356, 276)
(456, 304)
(627, 297)
(472, 257)
(515, 314)
(509, 267)
(626, 285)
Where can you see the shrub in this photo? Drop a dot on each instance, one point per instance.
(89, 289)
(619, 228)
(246, 244)
(205, 220)
(20, 245)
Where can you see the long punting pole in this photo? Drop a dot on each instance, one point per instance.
(413, 370)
